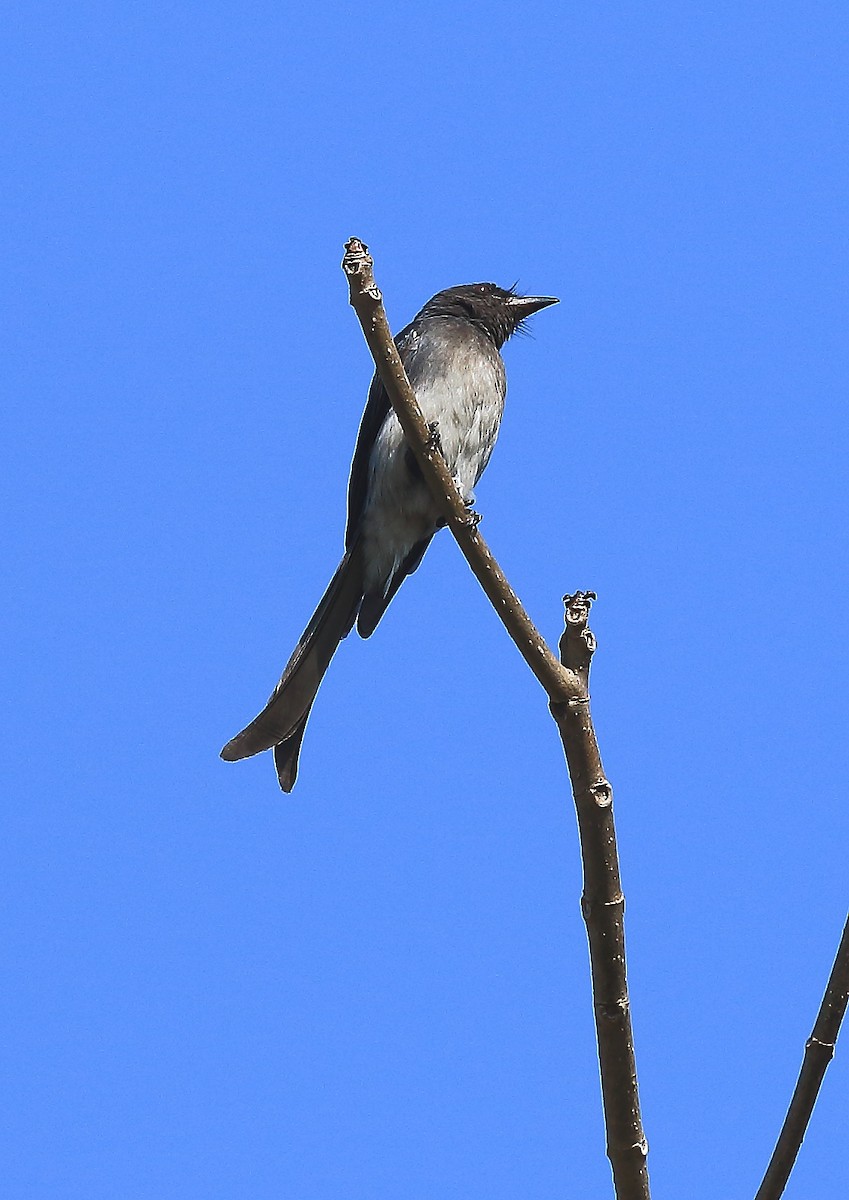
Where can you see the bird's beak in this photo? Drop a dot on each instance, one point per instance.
(524, 306)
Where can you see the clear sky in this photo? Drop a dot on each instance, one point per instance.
(378, 986)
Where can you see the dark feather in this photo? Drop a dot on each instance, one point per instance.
(377, 407)
(374, 605)
(290, 702)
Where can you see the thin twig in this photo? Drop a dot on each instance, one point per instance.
(566, 684)
(819, 1050)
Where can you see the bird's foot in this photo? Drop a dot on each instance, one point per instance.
(468, 497)
(434, 441)
(473, 519)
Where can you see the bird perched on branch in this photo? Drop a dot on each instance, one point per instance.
(450, 353)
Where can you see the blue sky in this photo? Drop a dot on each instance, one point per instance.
(378, 986)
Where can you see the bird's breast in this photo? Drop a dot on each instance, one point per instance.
(461, 389)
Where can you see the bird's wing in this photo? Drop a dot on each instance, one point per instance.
(374, 604)
(377, 408)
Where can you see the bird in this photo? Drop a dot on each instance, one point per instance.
(451, 354)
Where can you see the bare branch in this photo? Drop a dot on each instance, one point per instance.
(819, 1050)
(603, 907)
(566, 683)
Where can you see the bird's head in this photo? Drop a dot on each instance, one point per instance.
(499, 312)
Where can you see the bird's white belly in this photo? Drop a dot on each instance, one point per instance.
(400, 510)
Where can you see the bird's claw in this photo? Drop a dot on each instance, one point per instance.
(434, 441)
(473, 519)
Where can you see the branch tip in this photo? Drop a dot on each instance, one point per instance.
(577, 643)
(358, 265)
(578, 605)
(355, 249)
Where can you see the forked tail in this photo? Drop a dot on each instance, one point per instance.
(281, 723)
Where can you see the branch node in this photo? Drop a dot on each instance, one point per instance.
(613, 1010)
(814, 1043)
(590, 906)
(601, 793)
